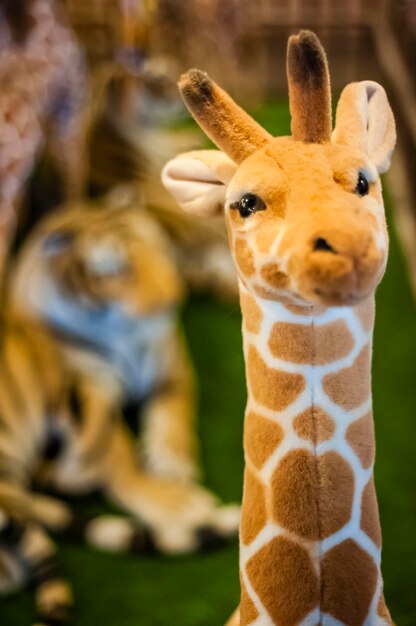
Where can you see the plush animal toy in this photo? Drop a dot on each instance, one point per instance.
(97, 293)
(102, 277)
(132, 150)
(307, 231)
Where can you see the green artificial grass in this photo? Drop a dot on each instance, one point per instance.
(203, 590)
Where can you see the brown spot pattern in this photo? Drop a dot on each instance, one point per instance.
(261, 438)
(252, 313)
(300, 310)
(349, 579)
(383, 611)
(271, 387)
(254, 508)
(349, 387)
(336, 492)
(365, 313)
(370, 521)
(244, 257)
(273, 276)
(315, 425)
(333, 341)
(312, 498)
(298, 343)
(247, 607)
(267, 294)
(295, 488)
(360, 436)
(288, 592)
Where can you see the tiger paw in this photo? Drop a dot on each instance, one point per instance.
(204, 526)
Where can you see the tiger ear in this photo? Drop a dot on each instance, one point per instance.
(365, 120)
(198, 180)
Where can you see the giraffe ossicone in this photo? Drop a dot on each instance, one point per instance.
(307, 230)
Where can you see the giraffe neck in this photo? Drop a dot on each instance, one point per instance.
(310, 534)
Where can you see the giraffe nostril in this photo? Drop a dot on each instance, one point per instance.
(321, 244)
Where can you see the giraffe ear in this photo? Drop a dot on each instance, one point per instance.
(365, 120)
(198, 180)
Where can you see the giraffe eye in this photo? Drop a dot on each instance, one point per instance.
(249, 203)
(362, 185)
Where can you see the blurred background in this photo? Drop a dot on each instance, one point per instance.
(134, 51)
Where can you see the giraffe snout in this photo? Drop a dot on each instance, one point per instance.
(337, 266)
(350, 243)
(322, 245)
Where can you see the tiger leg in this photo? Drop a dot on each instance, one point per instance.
(182, 517)
(53, 593)
(50, 512)
(169, 441)
(120, 534)
(30, 557)
(111, 533)
(11, 570)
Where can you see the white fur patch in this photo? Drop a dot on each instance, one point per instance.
(314, 393)
(131, 349)
(228, 519)
(197, 180)
(110, 533)
(176, 539)
(105, 260)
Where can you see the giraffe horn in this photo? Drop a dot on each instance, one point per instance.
(309, 88)
(225, 123)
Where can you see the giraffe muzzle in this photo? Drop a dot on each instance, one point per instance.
(333, 274)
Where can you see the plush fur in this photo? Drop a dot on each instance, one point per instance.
(307, 230)
(103, 278)
(206, 168)
(223, 121)
(364, 121)
(124, 148)
(92, 325)
(309, 89)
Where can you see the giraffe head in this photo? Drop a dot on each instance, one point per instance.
(304, 213)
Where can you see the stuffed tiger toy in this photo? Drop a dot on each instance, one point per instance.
(91, 324)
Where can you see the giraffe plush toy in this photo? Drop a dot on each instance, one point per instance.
(307, 231)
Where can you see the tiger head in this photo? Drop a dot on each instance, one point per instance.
(106, 253)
